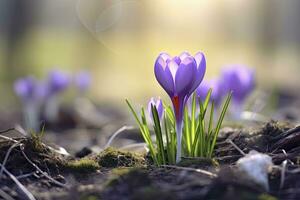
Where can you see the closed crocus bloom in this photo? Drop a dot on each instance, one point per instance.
(240, 80)
(217, 90)
(57, 81)
(83, 81)
(179, 76)
(28, 90)
(159, 107)
(25, 88)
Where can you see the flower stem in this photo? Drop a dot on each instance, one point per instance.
(179, 138)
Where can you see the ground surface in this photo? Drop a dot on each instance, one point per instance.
(47, 174)
(36, 167)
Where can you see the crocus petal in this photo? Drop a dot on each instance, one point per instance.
(183, 55)
(159, 107)
(240, 80)
(150, 103)
(165, 56)
(24, 88)
(58, 81)
(163, 75)
(83, 80)
(177, 60)
(173, 66)
(185, 76)
(201, 69)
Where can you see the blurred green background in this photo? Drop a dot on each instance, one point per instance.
(119, 40)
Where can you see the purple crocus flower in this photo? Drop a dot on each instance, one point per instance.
(83, 81)
(57, 81)
(240, 80)
(28, 90)
(179, 76)
(24, 88)
(159, 107)
(216, 94)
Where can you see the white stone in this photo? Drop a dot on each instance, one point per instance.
(256, 166)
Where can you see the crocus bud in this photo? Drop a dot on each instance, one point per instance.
(179, 76)
(159, 107)
(57, 82)
(240, 80)
(83, 81)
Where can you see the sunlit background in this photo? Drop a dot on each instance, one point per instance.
(119, 40)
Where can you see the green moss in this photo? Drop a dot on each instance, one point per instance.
(120, 171)
(266, 197)
(112, 158)
(84, 165)
(35, 142)
(89, 197)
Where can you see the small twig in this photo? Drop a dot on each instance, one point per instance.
(42, 172)
(5, 196)
(8, 138)
(17, 128)
(236, 147)
(294, 171)
(6, 157)
(120, 130)
(25, 175)
(27, 194)
(284, 163)
(7, 130)
(133, 145)
(210, 174)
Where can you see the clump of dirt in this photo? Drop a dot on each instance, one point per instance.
(19, 152)
(112, 158)
(134, 183)
(199, 163)
(266, 139)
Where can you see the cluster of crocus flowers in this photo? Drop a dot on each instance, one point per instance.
(179, 76)
(37, 95)
(177, 130)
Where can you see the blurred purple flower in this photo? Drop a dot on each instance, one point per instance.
(159, 107)
(57, 81)
(240, 80)
(31, 94)
(179, 76)
(25, 88)
(217, 90)
(83, 81)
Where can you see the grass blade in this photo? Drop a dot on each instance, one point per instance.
(219, 123)
(158, 133)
